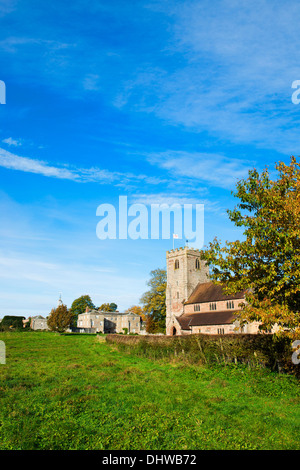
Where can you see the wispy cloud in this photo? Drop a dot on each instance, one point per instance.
(212, 169)
(14, 162)
(12, 142)
(210, 206)
(81, 175)
(233, 67)
(225, 69)
(7, 6)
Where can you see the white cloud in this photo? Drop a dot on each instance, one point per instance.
(183, 168)
(181, 198)
(10, 141)
(234, 63)
(212, 169)
(14, 162)
(82, 175)
(91, 82)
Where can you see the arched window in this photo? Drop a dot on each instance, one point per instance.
(197, 263)
(177, 264)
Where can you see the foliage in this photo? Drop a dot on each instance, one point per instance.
(136, 310)
(79, 306)
(266, 262)
(11, 321)
(60, 318)
(154, 301)
(263, 350)
(106, 307)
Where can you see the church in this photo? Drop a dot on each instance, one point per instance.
(194, 304)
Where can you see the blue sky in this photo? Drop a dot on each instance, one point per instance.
(161, 101)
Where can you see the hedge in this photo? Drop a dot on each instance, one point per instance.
(264, 350)
(11, 321)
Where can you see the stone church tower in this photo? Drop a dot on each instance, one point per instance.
(184, 271)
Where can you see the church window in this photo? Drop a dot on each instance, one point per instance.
(177, 264)
(197, 263)
(177, 295)
(230, 304)
(213, 306)
(196, 308)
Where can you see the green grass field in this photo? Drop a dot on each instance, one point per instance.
(77, 392)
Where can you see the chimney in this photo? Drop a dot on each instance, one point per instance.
(87, 310)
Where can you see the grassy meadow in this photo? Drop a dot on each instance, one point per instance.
(78, 392)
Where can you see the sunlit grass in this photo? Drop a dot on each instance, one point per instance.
(76, 392)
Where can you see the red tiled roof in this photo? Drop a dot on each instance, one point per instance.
(209, 318)
(210, 292)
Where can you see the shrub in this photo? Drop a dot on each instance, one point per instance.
(11, 322)
(264, 350)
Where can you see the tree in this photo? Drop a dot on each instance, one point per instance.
(266, 261)
(154, 301)
(60, 318)
(106, 307)
(113, 306)
(12, 322)
(137, 310)
(79, 306)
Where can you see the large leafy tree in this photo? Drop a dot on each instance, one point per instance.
(60, 318)
(106, 307)
(12, 322)
(266, 261)
(154, 302)
(79, 306)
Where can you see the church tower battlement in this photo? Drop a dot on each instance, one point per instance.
(185, 270)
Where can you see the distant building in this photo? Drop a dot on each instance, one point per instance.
(39, 323)
(109, 322)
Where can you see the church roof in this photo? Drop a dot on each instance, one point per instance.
(209, 318)
(210, 292)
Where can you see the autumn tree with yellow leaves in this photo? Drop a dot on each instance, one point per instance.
(267, 261)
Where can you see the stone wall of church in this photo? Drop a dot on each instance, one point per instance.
(183, 275)
(221, 306)
(216, 329)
